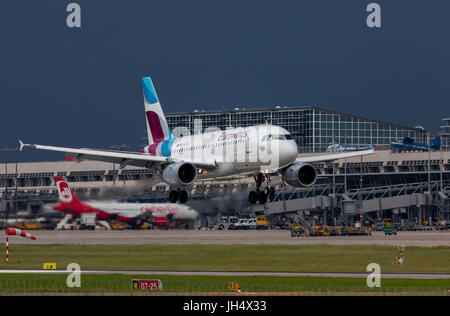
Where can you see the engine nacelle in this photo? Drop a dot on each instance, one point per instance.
(180, 174)
(161, 221)
(300, 175)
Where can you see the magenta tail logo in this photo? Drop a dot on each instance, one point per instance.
(154, 124)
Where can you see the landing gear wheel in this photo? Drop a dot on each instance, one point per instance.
(182, 196)
(253, 197)
(173, 196)
(262, 197)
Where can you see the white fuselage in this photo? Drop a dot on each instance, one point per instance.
(262, 148)
(132, 210)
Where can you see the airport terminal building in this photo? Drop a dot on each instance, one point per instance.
(314, 129)
(411, 184)
(445, 133)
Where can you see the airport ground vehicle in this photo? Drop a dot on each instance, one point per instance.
(251, 223)
(316, 231)
(246, 223)
(226, 222)
(262, 222)
(378, 227)
(28, 225)
(118, 225)
(88, 221)
(297, 231)
(390, 230)
(354, 230)
(335, 230)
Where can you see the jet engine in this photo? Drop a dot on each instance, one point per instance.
(161, 221)
(300, 175)
(179, 174)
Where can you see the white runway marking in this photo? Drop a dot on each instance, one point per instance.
(241, 273)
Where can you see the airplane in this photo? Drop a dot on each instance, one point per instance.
(340, 148)
(260, 151)
(408, 143)
(134, 214)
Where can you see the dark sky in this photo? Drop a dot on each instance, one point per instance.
(81, 87)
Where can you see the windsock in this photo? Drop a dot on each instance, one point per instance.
(19, 232)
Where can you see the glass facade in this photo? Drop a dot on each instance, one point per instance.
(313, 129)
(445, 133)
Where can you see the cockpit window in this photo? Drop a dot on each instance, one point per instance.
(276, 137)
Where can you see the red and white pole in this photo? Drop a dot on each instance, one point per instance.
(7, 250)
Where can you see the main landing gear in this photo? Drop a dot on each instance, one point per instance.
(178, 195)
(258, 195)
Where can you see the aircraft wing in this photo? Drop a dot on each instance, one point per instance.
(332, 157)
(120, 157)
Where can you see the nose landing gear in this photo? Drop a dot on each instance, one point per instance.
(178, 195)
(258, 195)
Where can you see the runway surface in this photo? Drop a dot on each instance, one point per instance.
(282, 237)
(242, 273)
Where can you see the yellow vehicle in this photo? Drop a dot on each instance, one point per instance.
(145, 225)
(335, 230)
(317, 231)
(387, 221)
(351, 231)
(357, 231)
(262, 222)
(118, 225)
(297, 230)
(327, 230)
(29, 225)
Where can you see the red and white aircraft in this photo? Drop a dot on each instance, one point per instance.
(132, 213)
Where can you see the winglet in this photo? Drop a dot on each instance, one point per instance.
(21, 145)
(25, 145)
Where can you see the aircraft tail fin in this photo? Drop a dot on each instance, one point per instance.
(65, 193)
(157, 127)
(436, 143)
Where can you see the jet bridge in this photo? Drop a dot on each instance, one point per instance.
(423, 198)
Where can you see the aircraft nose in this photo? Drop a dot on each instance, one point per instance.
(290, 152)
